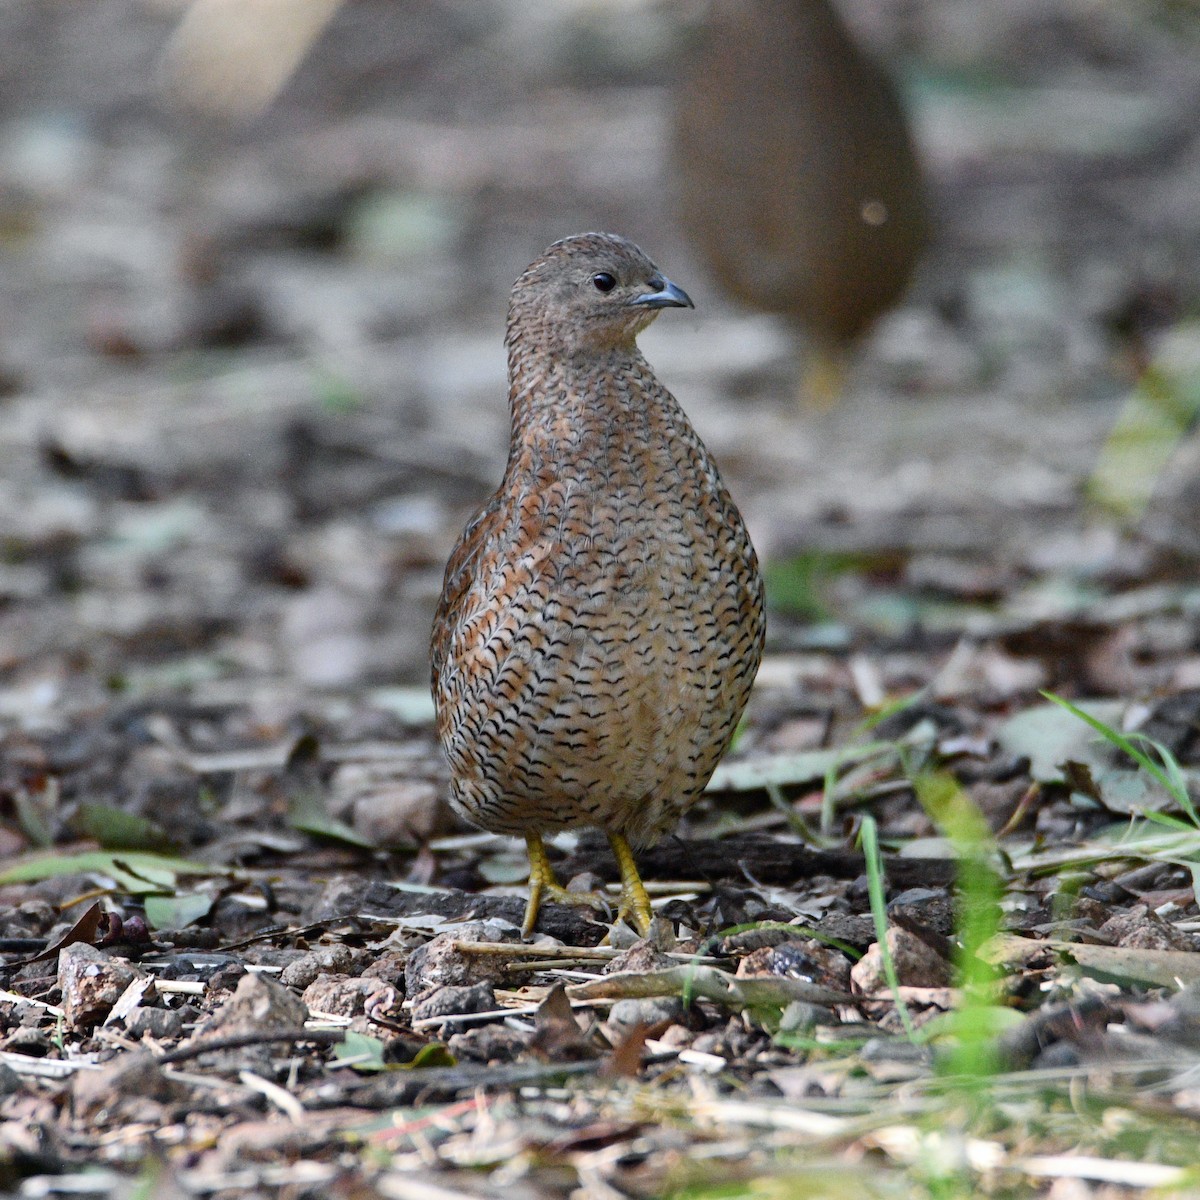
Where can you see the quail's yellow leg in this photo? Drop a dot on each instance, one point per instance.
(635, 904)
(542, 883)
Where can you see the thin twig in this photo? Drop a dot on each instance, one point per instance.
(238, 1041)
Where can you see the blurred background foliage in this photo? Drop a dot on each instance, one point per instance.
(255, 256)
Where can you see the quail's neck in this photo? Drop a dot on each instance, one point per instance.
(597, 407)
(584, 384)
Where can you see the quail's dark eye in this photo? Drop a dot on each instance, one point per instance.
(603, 281)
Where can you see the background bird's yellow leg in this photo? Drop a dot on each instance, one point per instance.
(542, 883)
(635, 904)
(824, 379)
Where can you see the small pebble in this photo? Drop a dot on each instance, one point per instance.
(454, 1000)
(487, 1043)
(800, 1016)
(349, 995)
(30, 1041)
(440, 963)
(629, 1014)
(91, 983)
(642, 957)
(258, 1003)
(159, 1023)
(1143, 929)
(898, 1049)
(134, 1075)
(335, 959)
(916, 964)
(389, 967)
(10, 1081)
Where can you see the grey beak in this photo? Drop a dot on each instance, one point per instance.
(665, 295)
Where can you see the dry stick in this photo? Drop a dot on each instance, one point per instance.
(279, 931)
(238, 1041)
(593, 953)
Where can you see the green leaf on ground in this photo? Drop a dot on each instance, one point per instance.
(434, 1054)
(1158, 414)
(783, 770)
(116, 829)
(1125, 964)
(765, 996)
(360, 1051)
(1050, 736)
(797, 585)
(134, 871)
(306, 793)
(307, 813)
(179, 911)
(1166, 771)
(366, 1053)
(34, 816)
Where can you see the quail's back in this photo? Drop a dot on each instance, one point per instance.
(602, 617)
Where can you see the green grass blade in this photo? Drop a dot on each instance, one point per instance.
(870, 722)
(1128, 746)
(875, 890)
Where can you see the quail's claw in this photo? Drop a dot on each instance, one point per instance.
(635, 903)
(542, 884)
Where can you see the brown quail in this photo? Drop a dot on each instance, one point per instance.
(601, 619)
(798, 181)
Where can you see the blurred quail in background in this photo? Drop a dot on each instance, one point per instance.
(799, 184)
(601, 619)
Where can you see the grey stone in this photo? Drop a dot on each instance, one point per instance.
(10, 1081)
(629, 1014)
(453, 1001)
(334, 959)
(91, 983)
(162, 1023)
(440, 963)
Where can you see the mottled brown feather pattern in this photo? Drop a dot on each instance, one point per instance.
(602, 616)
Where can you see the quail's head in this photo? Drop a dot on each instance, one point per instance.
(590, 292)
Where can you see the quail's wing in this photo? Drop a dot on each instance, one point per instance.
(460, 571)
